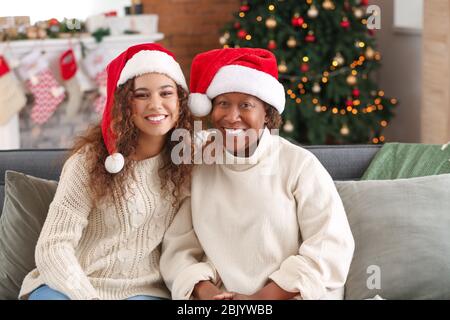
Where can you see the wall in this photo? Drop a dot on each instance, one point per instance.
(400, 75)
(191, 26)
(436, 70)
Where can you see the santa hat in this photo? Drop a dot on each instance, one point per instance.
(247, 70)
(135, 61)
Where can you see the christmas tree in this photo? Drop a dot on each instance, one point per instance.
(326, 55)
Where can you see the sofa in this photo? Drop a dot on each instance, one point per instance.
(400, 226)
(342, 162)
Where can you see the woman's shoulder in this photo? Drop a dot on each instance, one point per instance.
(77, 162)
(294, 152)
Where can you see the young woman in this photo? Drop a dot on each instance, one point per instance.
(268, 223)
(102, 235)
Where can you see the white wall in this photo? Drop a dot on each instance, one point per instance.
(400, 74)
(59, 9)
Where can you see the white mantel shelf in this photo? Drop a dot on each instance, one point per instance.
(20, 47)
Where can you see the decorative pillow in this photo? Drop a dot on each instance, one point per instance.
(27, 200)
(401, 230)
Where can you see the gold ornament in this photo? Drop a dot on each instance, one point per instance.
(351, 80)
(222, 40)
(291, 43)
(316, 88)
(282, 67)
(358, 12)
(313, 12)
(370, 53)
(345, 130)
(271, 23)
(288, 126)
(339, 59)
(328, 5)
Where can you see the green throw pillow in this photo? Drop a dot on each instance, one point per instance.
(25, 208)
(401, 231)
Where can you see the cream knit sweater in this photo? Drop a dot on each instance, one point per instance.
(110, 251)
(278, 216)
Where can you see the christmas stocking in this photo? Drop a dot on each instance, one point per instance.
(95, 64)
(12, 96)
(41, 82)
(100, 101)
(68, 68)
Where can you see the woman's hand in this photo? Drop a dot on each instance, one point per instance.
(236, 296)
(225, 296)
(270, 292)
(205, 290)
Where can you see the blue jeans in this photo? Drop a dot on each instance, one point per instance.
(46, 293)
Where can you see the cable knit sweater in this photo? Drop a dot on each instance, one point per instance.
(110, 251)
(276, 215)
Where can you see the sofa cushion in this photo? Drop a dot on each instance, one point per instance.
(401, 230)
(27, 200)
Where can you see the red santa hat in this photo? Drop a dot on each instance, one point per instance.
(135, 61)
(247, 70)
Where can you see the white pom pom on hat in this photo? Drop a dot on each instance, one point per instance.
(252, 71)
(199, 104)
(114, 163)
(135, 61)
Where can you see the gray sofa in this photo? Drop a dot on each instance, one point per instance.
(343, 162)
(400, 226)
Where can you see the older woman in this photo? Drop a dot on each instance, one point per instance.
(265, 220)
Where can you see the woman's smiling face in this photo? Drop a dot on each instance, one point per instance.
(240, 118)
(155, 104)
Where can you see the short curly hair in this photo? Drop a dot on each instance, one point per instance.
(274, 119)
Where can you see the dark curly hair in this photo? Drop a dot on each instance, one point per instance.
(173, 177)
(274, 118)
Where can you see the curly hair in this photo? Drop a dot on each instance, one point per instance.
(173, 177)
(274, 118)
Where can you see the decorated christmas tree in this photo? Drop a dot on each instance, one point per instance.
(326, 55)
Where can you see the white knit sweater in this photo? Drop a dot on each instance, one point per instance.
(278, 216)
(110, 251)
